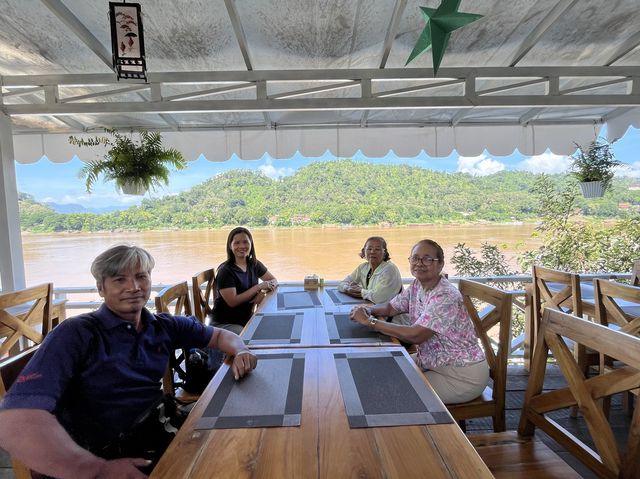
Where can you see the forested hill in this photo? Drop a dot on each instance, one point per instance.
(339, 192)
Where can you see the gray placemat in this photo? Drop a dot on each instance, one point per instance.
(276, 328)
(383, 389)
(344, 331)
(340, 298)
(298, 300)
(269, 396)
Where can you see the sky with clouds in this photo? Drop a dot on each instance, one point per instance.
(59, 182)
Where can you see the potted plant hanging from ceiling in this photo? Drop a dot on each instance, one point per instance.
(593, 166)
(134, 166)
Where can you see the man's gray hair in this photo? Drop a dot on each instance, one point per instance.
(119, 259)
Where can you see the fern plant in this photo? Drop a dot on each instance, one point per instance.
(135, 167)
(594, 162)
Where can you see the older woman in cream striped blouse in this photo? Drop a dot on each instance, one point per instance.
(378, 279)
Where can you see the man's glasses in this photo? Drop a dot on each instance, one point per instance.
(425, 260)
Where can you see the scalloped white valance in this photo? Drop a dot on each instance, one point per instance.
(342, 142)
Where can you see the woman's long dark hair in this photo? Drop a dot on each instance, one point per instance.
(231, 259)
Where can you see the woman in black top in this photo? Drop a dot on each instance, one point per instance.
(238, 282)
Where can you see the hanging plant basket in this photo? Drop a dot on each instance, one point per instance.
(592, 189)
(136, 165)
(133, 188)
(593, 165)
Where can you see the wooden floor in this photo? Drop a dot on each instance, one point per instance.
(516, 385)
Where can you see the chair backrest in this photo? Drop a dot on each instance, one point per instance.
(554, 289)
(203, 287)
(608, 459)
(11, 367)
(635, 273)
(496, 313)
(25, 317)
(177, 294)
(618, 304)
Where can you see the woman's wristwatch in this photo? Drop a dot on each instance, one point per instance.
(372, 321)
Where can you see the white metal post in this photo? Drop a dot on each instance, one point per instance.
(11, 257)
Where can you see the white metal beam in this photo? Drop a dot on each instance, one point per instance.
(319, 89)
(324, 75)
(239, 31)
(210, 91)
(630, 44)
(541, 28)
(11, 255)
(324, 104)
(615, 113)
(77, 27)
(398, 10)
(117, 91)
(410, 89)
(530, 115)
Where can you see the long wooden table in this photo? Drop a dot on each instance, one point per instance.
(324, 445)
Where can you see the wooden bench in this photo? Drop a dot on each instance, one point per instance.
(512, 455)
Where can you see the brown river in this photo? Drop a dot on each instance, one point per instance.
(289, 253)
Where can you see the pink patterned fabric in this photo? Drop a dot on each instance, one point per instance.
(442, 311)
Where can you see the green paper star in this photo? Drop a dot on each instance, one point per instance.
(440, 23)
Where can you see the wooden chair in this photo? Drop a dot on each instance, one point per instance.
(509, 455)
(561, 290)
(554, 289)
(617, 305)
(203, 298)
(10, 369)
(178, 296)
(497, 313)
(25, 318)
(635, 273)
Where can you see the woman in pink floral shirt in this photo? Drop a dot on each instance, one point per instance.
(448, 349)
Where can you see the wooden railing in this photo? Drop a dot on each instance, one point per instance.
(77, 305)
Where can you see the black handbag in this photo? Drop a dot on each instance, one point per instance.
(150, 434)
(197, 371)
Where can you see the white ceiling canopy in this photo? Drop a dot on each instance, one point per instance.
(279, 76)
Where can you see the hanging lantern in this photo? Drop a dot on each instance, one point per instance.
(127, 42)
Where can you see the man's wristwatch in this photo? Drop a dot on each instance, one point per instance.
(372, 321)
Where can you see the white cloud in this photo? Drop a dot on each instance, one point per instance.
(479, 165)
(274, 173)
(95, 199)
(545, 163)
(632, 170)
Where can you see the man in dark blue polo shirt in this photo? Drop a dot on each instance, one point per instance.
(96, 373)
